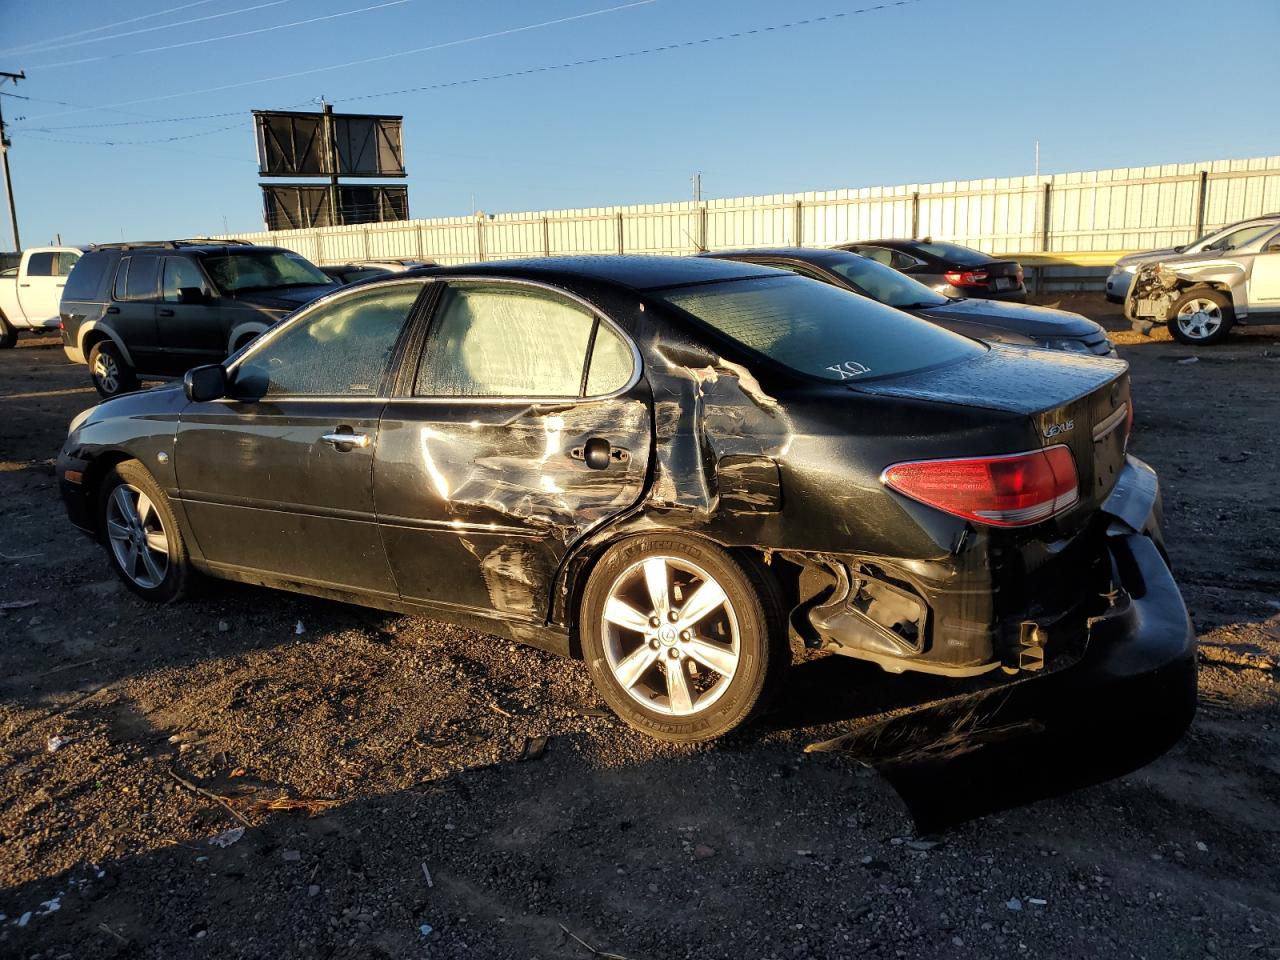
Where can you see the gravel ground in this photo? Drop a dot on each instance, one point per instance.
(386, 773)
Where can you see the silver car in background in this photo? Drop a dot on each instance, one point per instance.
(1200, 295)
(1224, 238)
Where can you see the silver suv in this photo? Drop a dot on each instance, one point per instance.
(1203, 292)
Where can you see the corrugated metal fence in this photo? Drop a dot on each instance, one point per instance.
(1103, 210)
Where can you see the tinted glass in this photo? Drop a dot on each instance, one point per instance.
(491, 340)
(141, 284)
(63, 262)
(180, 273)
(611, 362)
(40, 265)
(1241, 237)
(818, 329)
(884, 283)
(954, 253)
(86, 277)
(339, 349)
(878, 254)
(258, 269)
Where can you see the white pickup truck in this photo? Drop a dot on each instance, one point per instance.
(31, 291)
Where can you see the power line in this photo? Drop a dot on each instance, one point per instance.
(225, 36)
(40, 45)
(355, 63)
(163, 26)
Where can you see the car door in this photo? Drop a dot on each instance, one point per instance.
(268, 478)
(526, 424)
(40, 285)
(132, 312)
(188, 317)
(1264, 278)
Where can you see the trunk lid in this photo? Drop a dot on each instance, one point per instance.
(1003, 275)
(1080, 402)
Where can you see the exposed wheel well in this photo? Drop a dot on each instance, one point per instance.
(91, 339)
(98, 469)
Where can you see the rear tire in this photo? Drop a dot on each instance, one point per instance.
(1201, 317)
(683, 642)
(141, 536)
(8, 335)
(110, 374)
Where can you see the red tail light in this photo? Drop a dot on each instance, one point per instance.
(1007, 491)
(966, 278)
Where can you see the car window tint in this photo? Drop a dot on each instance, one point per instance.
(179, 274)
(818, 329)
(40, 265)
(878, 254)
(492, 340)
(901, 261)
(611, 362)
(339, 349)
(86, 276)
(139, 278)
(1241, 237)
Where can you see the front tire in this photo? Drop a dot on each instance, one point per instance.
(110, 374)
(141, 535)
(681, 639)
(1201, 317)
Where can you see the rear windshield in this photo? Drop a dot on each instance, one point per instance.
(86, 277)
(244, 270)
(817, 329)
(885, 283)
(954, 253)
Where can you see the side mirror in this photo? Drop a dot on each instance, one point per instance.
(206, 383)
(193, 295)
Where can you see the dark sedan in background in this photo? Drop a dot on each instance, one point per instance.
(984, 319)
(949, 268)
(670, 467)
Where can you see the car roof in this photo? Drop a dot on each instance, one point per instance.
(634, 272)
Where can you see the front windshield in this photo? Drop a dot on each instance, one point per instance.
(818, 329)
(238, 271)
(885, 283)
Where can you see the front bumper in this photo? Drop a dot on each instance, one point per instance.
(76, 496)
(1118, 286)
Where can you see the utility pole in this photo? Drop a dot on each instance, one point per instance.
(331, 144)
(696, 179)
(1037, 158)
(4, 161)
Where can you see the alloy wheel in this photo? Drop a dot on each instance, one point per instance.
(1199, 318)
(671, 636)
(137, 536)
(107, 372)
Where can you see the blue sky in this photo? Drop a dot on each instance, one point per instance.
(932, 90)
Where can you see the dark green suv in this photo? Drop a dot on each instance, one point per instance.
(153, 310)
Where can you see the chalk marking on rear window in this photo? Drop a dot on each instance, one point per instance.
(849, 369)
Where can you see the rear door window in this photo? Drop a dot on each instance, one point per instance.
(136, 278)
(818, 329)
(505, 340)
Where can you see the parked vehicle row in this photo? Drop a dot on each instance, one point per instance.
(949, 268)
(669, 467)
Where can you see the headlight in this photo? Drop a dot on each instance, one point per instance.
(1129, 268)
(1059, 343)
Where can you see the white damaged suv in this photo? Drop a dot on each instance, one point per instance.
(1200, 294)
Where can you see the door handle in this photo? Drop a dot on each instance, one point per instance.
(113, 309)
(24, 284)
(165, 313)
(597, 454)
(345, 441)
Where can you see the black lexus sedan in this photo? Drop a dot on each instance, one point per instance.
(984, 319)
(670, 467)
(949, 268)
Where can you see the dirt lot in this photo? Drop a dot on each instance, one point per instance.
(435, 838)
